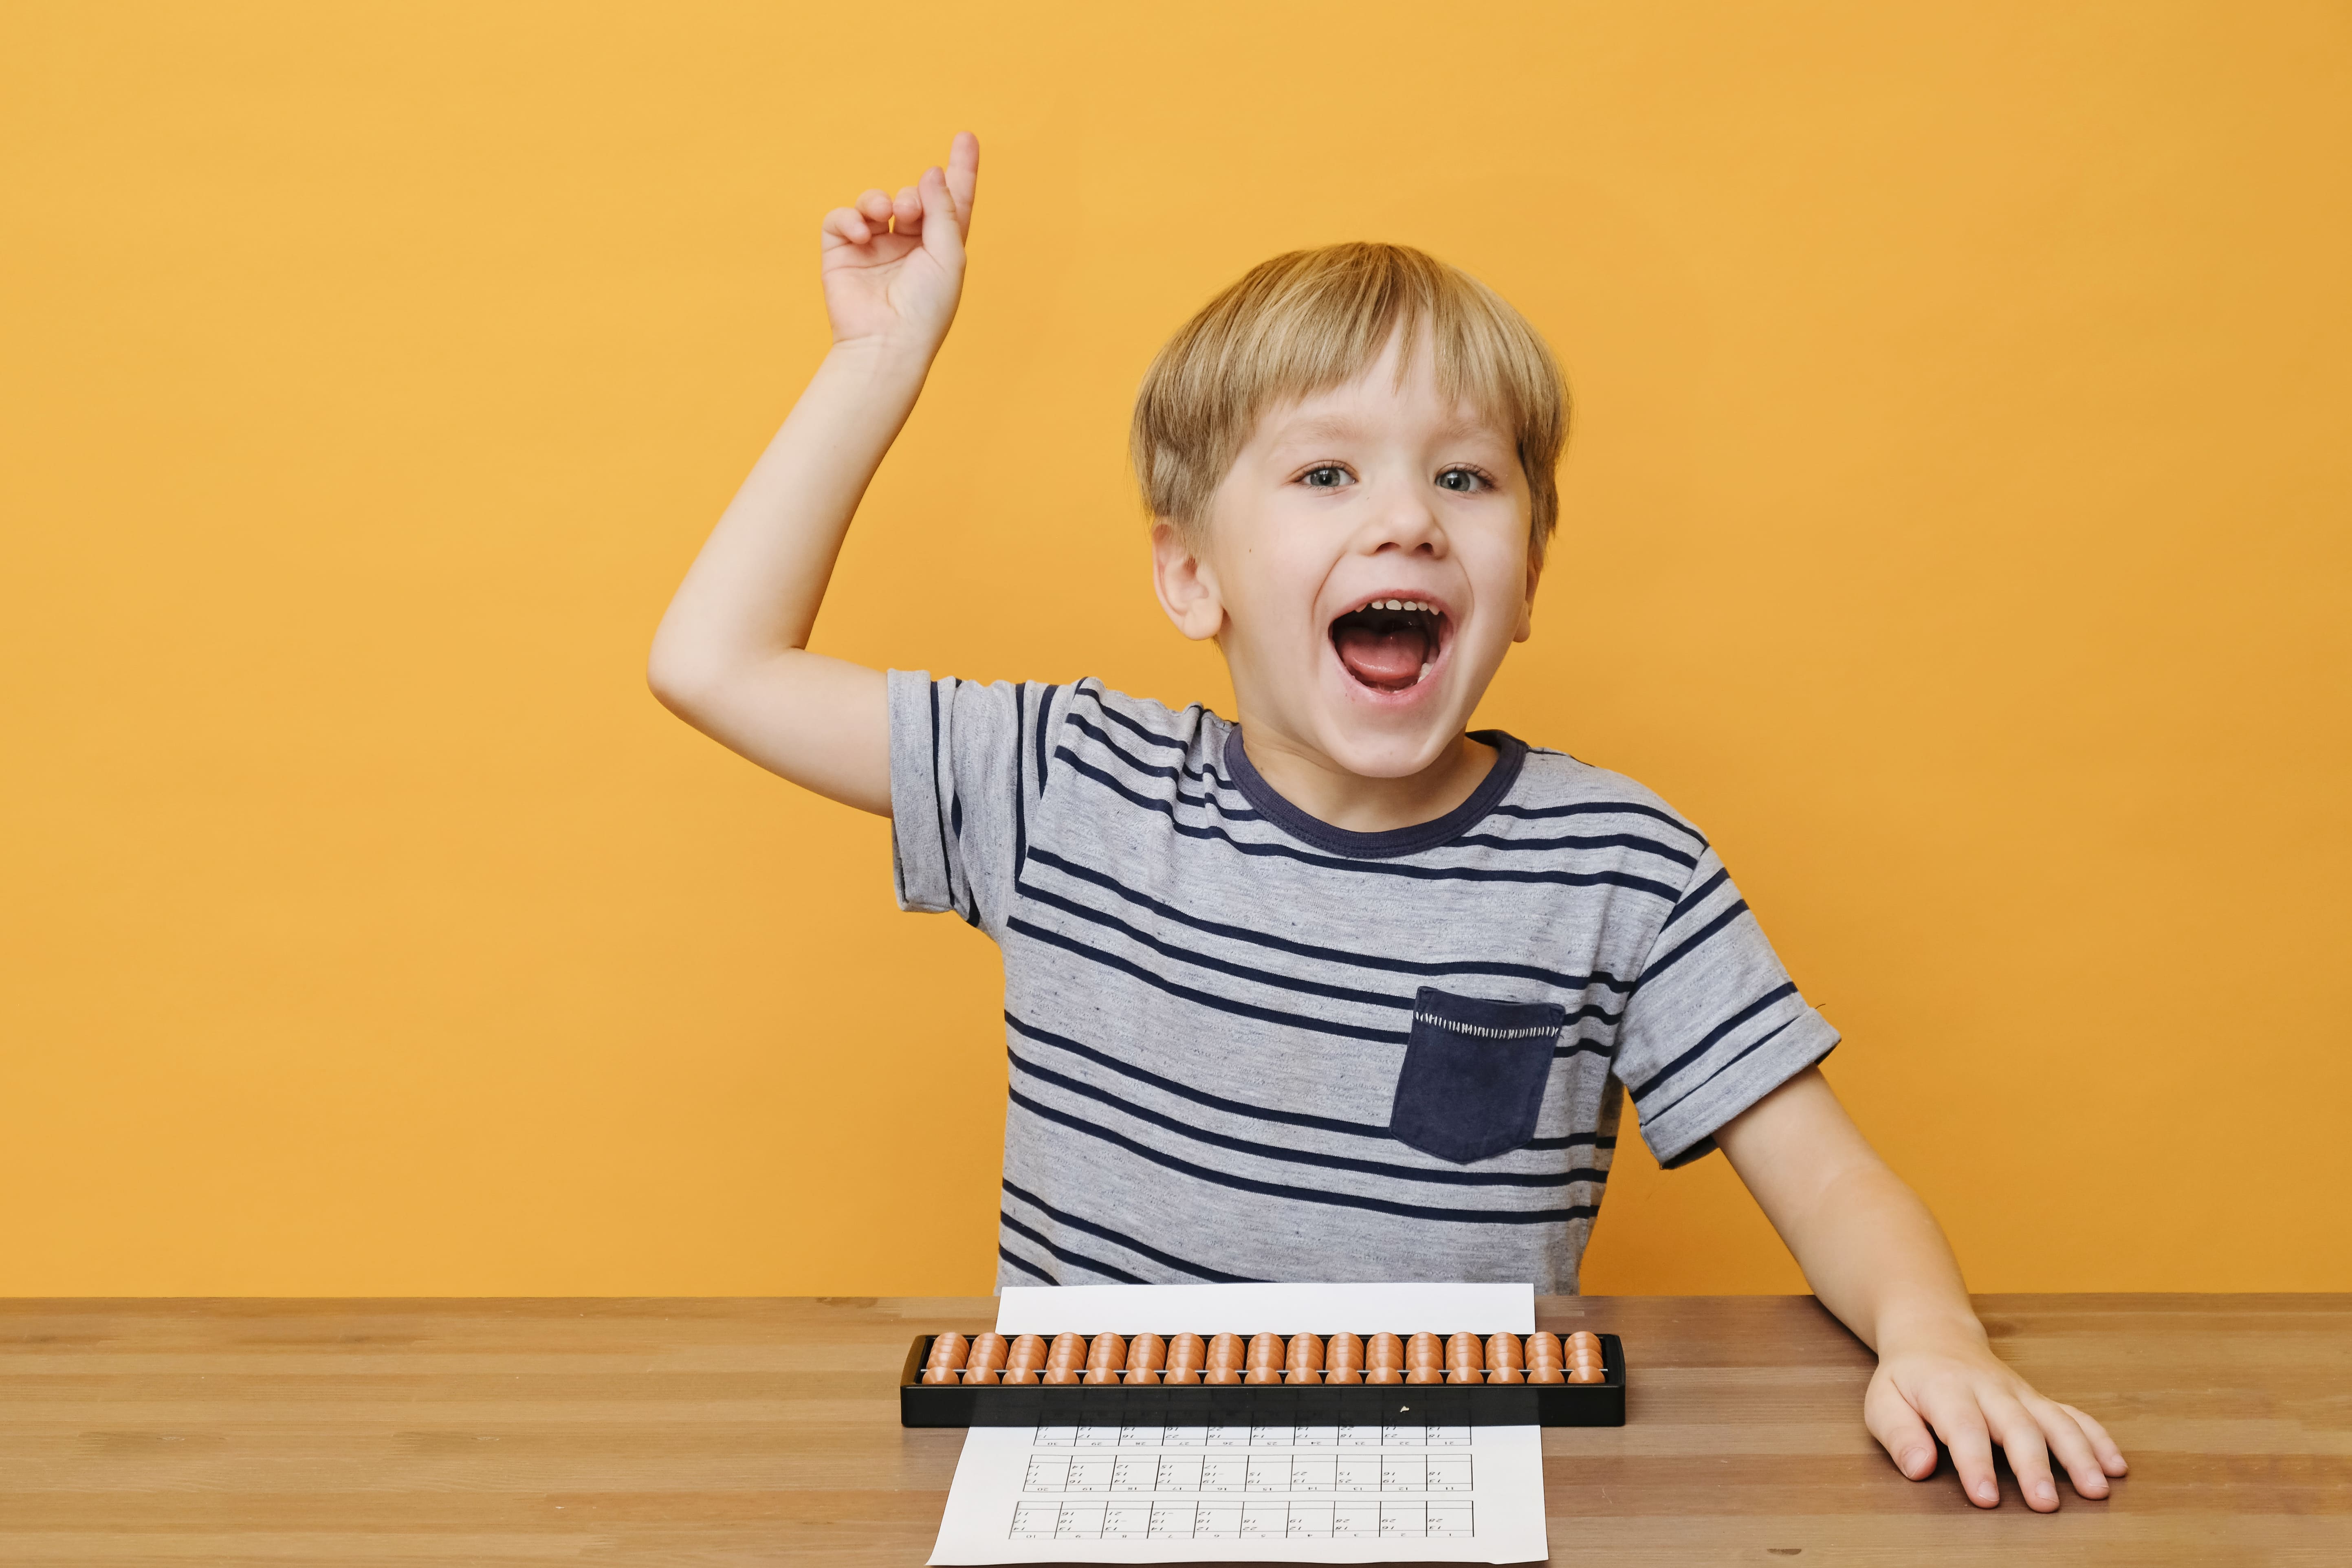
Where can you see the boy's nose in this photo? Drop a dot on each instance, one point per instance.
(1406, 521)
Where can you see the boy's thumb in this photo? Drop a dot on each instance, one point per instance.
(943, 234)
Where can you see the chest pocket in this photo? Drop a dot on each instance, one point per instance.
(1474, 1075)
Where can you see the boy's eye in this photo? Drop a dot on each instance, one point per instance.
(1464, 479)
(1330, 476)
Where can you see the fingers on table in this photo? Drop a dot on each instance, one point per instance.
(2111, 1457)
(1960, 1422)
(1900, 1431)
(2020, 1437)
(2071, 1447)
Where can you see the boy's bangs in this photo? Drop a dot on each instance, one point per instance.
(1310, 320)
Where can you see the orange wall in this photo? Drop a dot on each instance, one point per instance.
(1956, 526)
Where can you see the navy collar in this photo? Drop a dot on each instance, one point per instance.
(1390, 842)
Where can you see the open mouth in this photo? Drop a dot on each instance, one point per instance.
(1389, 645)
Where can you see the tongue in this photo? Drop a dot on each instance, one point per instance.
(1390, 658)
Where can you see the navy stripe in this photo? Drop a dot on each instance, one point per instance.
(1023, 1264)
(1697, 939)
(1044, 713)
(1692, 899)
(1206, 999)
(971, 910)
(1266, 977)
(1785, 988)
(1239, 972)
(1308, 1157)
(1244, 1109)
(1020, 815)
(1560, 1215)
(947, 860)
(1113, 714)
(1327, 954)
(1197, 1096)
(1597, 841)
(1716, 1076)
(1177, 774)
(1602, 808)
(1382, 868)
(1080, 1258)
(1570, 1141)
(1167, 1259)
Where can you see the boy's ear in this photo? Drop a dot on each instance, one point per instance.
(1187, 586)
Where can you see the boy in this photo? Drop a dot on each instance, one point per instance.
(1338, 991)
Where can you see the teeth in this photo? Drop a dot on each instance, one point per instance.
(1424, 673)
(1402, 604)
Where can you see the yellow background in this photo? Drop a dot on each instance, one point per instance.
(1956, 527)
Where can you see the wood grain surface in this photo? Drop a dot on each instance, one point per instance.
(715, 1432)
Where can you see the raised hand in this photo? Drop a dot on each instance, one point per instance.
(893, 267)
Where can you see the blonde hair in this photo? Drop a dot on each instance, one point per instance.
(1309, 320)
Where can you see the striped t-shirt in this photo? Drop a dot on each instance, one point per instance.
(1247, 1045)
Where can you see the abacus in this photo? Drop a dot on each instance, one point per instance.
(1460, 1379)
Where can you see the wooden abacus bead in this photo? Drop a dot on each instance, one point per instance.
(1065, 1358)
(1543, 1350)
(1584, 1342)
(1304, 1361)
(1344, 1361)
(1105, 1359)
(1265, 1359)
(1224, 1359)
(946, 1357)
(1463, 1362)
(986, 1358)
(1505, 1375)
(1144, 1357)
(1423, 1360)
(1185, 1353)
(1385, 1353)
(1503, 1352)
(1546, 1374)
(1023, 1361)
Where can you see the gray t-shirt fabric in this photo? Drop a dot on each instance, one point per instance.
(1246, 1045)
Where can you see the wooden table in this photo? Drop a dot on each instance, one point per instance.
(722, 1432)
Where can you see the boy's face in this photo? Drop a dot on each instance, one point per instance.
(1368, 495)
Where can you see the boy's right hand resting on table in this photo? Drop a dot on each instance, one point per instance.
(731, 654)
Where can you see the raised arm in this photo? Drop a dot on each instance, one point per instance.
(1876, 1256)
(731, 656)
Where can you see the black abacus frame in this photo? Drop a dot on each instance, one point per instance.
(1598, 1403)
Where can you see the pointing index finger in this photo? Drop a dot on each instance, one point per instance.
(963, 175)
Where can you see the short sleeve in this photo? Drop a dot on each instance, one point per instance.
(1713, 1024)
(961, 792)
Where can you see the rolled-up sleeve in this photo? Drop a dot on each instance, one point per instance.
(1713, 1024)
(959, 791)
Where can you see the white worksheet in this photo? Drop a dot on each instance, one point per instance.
(1140, 1493)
